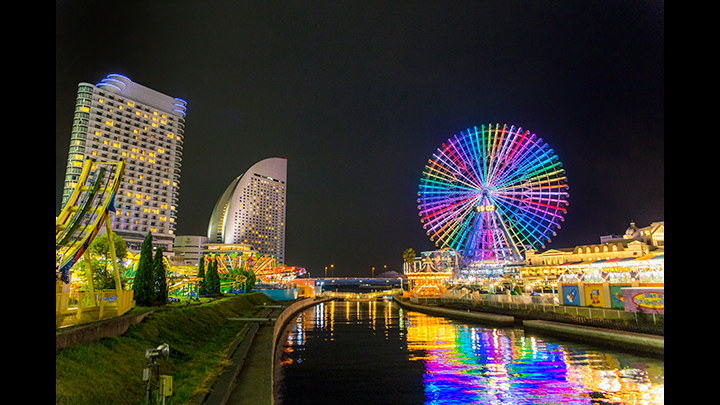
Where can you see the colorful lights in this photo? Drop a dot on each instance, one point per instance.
(377, 353)
(492, 193)
(467, 364)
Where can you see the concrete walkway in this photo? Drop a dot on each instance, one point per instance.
(649, 344)
(479, 317)
(254, 383)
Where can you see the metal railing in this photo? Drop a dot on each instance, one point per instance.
(78, 308)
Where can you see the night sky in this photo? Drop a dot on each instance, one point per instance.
(358, 95)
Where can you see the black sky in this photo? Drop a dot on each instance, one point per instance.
(357, 95)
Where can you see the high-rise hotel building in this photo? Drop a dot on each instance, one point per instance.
(251, 211)
(120, 119)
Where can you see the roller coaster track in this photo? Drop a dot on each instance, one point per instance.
(84, 212)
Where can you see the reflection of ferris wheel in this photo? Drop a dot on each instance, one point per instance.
(492, 193)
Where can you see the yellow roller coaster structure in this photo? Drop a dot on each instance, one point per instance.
(80, 220)
(84, 212)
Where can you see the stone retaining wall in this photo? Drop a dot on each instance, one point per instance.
(91, 332)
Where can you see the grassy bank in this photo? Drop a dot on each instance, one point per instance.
(109, 371)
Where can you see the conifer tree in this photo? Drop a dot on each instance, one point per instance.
(202, 290)
(212, 278)
(144, 283)
(250, 284)
(216, 278)
(161, 289)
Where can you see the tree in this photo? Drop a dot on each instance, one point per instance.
(144, 284)
(249, 280)
(161, 288)
(212, 278)
(102, 269)
(101, 247)
(208, 282)
(409, 256)
(103, 278)
(201, 278)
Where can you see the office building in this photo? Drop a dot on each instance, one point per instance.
(251, 211)
(120, 119)
(188, 249)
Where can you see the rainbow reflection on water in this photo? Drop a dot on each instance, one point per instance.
(352, 352)
(469, 364)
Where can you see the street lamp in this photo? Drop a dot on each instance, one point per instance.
(161, 382)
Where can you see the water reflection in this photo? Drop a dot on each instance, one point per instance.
(378, 353)
(470, 364)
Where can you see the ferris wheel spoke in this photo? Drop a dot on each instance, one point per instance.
(472, 144)
(530, 229)
(505, 154)
(438, 180)
(454, 235)
(442, 214)
(444, 226)
(468, 152)
(459, 168)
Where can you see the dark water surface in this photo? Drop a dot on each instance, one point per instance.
(377, 353)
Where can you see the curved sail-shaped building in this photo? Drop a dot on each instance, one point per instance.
(251, 211)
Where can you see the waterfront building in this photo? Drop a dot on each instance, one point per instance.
(188, 249)
(251, 211)
(120, 119)
(637, 256)
(640, 250)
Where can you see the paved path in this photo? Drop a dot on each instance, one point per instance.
(637, 341)
(254, 384)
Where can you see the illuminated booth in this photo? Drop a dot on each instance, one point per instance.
(600, 283)
(431, 272)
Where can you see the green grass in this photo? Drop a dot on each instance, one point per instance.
(109, 371)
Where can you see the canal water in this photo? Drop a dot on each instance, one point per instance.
(378, 353)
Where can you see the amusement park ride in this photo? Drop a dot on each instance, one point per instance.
(84, 212)
(485, 198)
(182, 280)
(81, 218)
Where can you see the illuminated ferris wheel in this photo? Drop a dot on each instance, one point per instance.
(492, 194)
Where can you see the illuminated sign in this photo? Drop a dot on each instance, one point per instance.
(647, 299)
(485, 208)
(651, 300)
